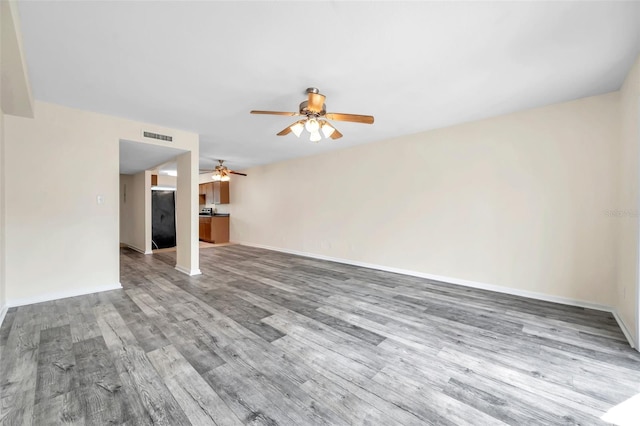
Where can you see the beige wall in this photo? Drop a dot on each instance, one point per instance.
(59, 240)
(126, 208)
(16, 98)
(167, 181)
(2, 250)
(518, 201)
(3, 299)
(133, 211)
(626, 300)
(142, 212)
(187, 221)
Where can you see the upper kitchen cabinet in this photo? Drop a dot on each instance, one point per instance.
(221, 192)
(202, 194)
(208, 192)
(205, 191)
(214, 192)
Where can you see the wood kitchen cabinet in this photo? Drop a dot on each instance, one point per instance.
(202, 194)
(214, 192)
(205, 228)
(214, 229)
(220, 229)
(220, 192)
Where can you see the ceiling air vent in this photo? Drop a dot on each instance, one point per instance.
(158, 136)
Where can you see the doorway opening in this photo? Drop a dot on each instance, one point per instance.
(139, 164)
(163, 219)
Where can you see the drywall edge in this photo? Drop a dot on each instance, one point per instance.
(3, 313)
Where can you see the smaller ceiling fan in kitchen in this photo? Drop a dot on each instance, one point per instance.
(221, 172)
(316, 118)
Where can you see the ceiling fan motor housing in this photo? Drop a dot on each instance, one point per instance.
(314, 111)
(304, 110)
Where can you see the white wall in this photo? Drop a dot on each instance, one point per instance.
(518, 201)
(59, 241)
(205, 177)
(629, 202)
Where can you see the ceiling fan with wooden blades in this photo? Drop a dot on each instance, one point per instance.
(222, 172)
(315, 118)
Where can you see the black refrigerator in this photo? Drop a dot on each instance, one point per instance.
(163, 219)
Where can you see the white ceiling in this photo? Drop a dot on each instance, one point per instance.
(136, 157)
(201, 66)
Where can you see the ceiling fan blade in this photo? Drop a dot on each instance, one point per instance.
(288, 130)
(237, 173)
(290, 114)
(316, 102)
(336, 134)
(284, 131)
(355, 118)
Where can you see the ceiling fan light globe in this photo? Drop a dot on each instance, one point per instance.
(216, 177)
(312, 125)
(297, 129)
(327, 129)
(315, 136)
(225, 178)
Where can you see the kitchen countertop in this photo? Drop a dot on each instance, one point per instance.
(214, 215)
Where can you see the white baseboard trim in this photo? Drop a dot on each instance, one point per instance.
(449, 280)
(625, 329)
(46, 297)
(467, 283)
(3, 313)
(190, 272)
(134, 248)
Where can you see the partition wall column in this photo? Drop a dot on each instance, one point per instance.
(187, 260)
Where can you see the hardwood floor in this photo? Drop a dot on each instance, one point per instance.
(269, 338)
(202, 244)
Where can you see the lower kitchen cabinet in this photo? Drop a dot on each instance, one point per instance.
(214, 229)
(205, 228)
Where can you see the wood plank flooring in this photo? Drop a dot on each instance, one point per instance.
(266, 338)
